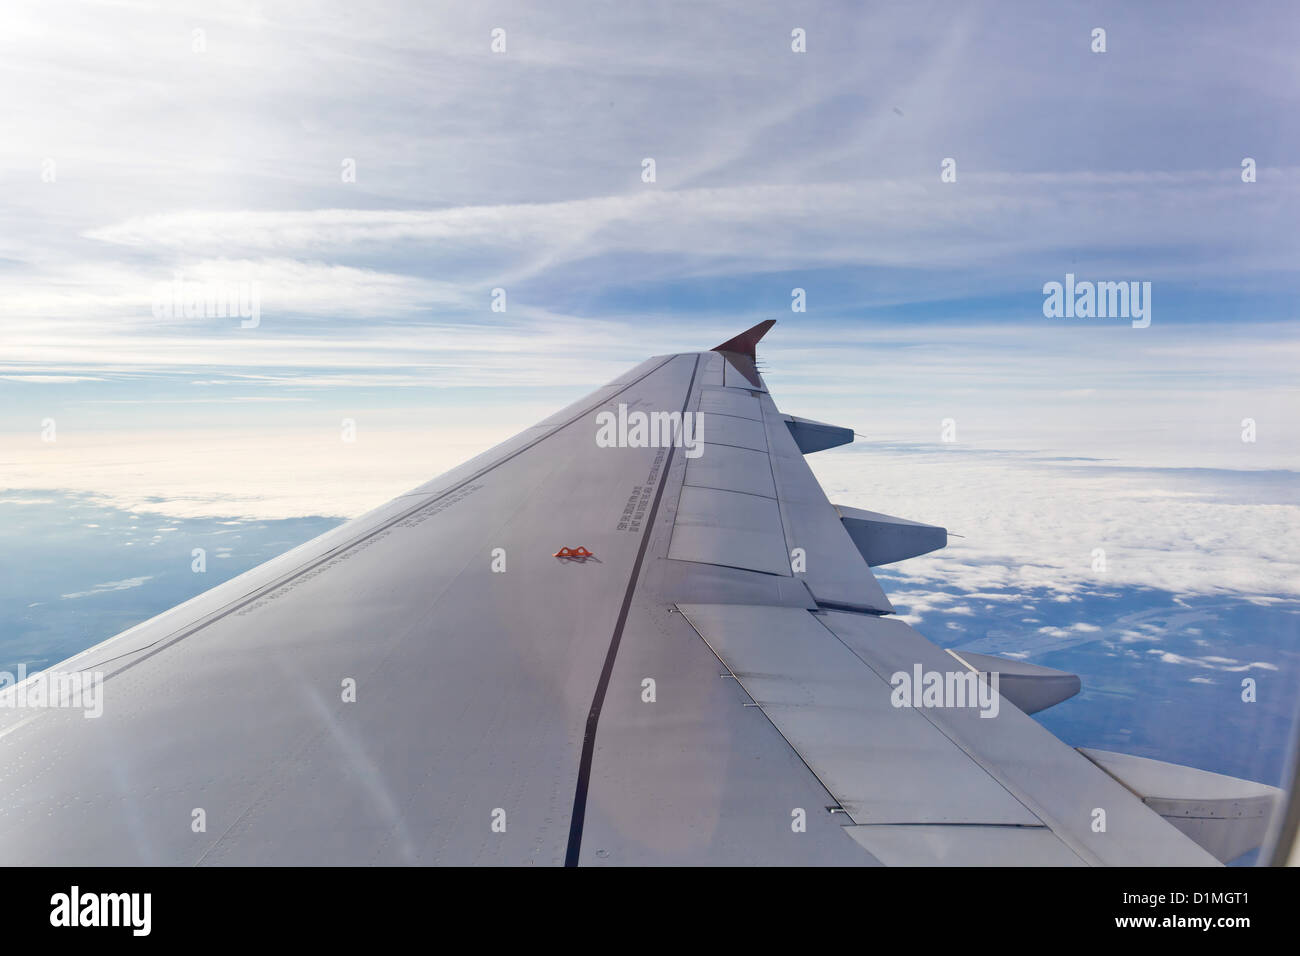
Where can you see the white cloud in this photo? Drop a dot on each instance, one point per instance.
(1212, 663)
(123, 585)
(1035, 523)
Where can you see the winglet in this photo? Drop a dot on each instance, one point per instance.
(744, 343)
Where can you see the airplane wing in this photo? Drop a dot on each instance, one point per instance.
(636, 633)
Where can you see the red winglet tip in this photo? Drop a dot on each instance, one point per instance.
(744, 343)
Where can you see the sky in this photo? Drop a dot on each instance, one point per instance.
(372, 174)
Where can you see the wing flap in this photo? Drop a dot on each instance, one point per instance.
(731, 469)
(1059, 785)
(883, 764)
(728, 401)
(729, 528)
(736, 432)
(963, 846)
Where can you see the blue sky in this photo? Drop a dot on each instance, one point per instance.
(522, 170)
(138, 149)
